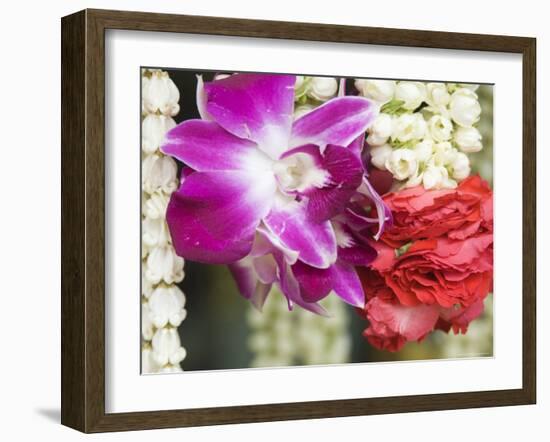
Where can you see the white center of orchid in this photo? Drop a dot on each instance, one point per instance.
(298, 173)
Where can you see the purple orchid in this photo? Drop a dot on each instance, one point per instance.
(263, 191)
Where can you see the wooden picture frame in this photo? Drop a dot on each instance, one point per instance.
(83, 220)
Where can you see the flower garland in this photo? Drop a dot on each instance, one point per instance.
(162, 302)
(278, 338)
(423, 131)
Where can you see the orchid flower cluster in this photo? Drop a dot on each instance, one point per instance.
(424, 131)
(283, 202)
(162, 301)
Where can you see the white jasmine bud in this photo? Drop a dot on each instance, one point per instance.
(408, 127)
(380, 130)
(153, 129)
(402, 164)
(380, 91)
(464, 107)
(159, 94)
(440, 128)
(460, 166)
(468, 139)
(379, 155)
(412, 93)
(322, 88)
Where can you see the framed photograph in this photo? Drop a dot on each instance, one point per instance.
(266, 220)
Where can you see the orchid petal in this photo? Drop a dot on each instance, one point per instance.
(345, 172)
(205, 146)
(384, 213)
(315, 242)
(213, 215)
(254, 107)
(338, 121)
(316, 284)
(250, 287)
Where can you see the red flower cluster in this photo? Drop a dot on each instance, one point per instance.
(434, 265)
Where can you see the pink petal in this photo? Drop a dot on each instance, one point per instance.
(213, 215)
(339, 121)
(413, 323)
(315, 242)
(201, 100)
(257, 107)
(205, 146)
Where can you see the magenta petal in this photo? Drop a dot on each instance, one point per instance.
(315, 242)
(245, 277)
(256, 107)
(213, 215)
(315, 284)
(205, 146)
(384, 213)
(346, 172)
(360, 255)
(338, 121)
(250, 287)
(346, 284)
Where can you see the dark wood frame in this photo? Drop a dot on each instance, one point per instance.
(83, 216)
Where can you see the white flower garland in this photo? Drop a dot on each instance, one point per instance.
(163, 303)
(282, 338)
(426, 146)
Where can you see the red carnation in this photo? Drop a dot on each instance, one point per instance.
(434, 265)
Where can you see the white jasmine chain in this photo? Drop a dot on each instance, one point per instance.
(460, 166)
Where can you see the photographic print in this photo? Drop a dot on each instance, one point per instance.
(293, 220)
